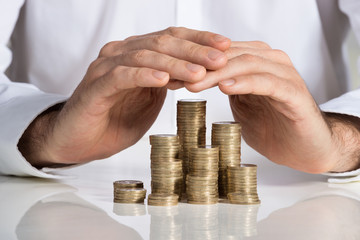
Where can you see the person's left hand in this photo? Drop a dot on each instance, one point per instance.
(279, 117)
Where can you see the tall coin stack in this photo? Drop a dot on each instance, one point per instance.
(166, 167)
(202, 180)
(191, 128)
(226, 135)
(242, 184)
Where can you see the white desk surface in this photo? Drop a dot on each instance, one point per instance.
(294, 205)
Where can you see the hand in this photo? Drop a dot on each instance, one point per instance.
(279, 117)
(121, 95)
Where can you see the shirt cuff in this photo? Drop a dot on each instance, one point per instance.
(348, 104)
(19, 113)
(344, 177)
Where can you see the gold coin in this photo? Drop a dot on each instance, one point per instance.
(162, 199)
(128, 184)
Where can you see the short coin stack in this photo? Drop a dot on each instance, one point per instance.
(242, 184)
(202, 180)
(129, 191)
(226, 135)
(163, 199)
(191, 127)
(166, 168)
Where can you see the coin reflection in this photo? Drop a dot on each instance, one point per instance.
(201, 221)
(329, 217)
(166, 223)
(124, 209)
(66, 216)
(238, 221)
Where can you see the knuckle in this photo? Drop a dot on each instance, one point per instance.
(170, 30)
(281, 54)
(139, 55)
(248, 57)
(232, 52)
(193, 50)
(174, 31)
(131, 38)
(160, 41)
(172, 64)
(96, 63)
(116, 71)
(96, 69)
(274, 83)
(267, 75)
(262, 44)
(108, 48)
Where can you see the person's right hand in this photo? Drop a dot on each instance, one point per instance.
(121, 95)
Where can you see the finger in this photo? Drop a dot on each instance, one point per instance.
(186, 50)
(285, 96)
(274, 55)
(122, 77)
(263, 84)
(178, 69)
(200, 37)
(174, 84)
(250, 44)
(242, 65)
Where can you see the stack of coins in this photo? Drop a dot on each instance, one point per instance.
(128, 184)
(226, 135)
(202, 180)
(129, 191)
(164, 147)
(163, 199)
(166, 168)
(242, 184)
(191, 127)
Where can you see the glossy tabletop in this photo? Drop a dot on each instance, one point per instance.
(294, 205)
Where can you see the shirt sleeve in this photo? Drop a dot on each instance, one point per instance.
(20, 103)
(348, 103)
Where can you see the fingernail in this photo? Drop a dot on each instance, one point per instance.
(159, 75)
(228, 82)
(193, 67)
(214, 55)
(219, 38)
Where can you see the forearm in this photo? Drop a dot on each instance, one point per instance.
(346, 135)
(32, 144)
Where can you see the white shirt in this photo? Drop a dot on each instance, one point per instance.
(53, 42)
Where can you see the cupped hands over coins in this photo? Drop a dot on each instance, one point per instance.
(184, 168)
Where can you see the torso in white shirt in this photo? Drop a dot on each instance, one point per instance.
(55, 41)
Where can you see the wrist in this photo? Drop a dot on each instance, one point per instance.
(345, 131)
(33, 142)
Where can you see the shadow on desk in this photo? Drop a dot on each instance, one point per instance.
(41, 209)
